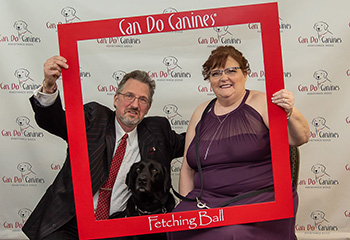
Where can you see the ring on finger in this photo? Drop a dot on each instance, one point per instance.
(284, 100)
(51, 67)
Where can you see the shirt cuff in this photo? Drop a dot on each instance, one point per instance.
(45, 99)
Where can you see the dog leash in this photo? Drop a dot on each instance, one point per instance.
(200, 204)
(235, 199)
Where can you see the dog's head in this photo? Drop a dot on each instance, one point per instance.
(21, 73)
(170, 109)
(24, 213)
(221, 29)
(320, 75)
(118, 75)
(22, 121)
(20, 25)
(68, 12)
(147, 177)
(318, 122)
(170, 61)
(318, 168)
(149, 182)
(317, 215)
(24, 167)
(170, 10)
(320, 27)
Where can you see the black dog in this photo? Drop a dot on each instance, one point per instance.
(149, 182)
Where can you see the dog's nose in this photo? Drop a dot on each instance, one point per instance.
(142, 180)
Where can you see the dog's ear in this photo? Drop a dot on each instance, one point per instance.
(326, 26)
(175, 60)
(311, 215)
(74, 11)
(175, 108)
(63, 10)
(114, 74)
(322, 215)
(325, 74)
(313, 121)
(130, 177)
(26, 72)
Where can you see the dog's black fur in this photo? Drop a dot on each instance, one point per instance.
(149, 182)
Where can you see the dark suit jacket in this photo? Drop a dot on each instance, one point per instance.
(156, 141)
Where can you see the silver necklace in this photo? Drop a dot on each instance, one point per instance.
(216, 131)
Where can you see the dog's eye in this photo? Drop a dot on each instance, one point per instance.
(138, 170)
(154, 170)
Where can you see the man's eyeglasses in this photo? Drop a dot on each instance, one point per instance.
(230, 72)
(129, 97)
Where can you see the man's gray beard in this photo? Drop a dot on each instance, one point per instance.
(128, 122)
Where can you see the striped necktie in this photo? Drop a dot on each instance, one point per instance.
(104, 198)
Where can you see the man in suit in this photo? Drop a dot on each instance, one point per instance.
(151, 137)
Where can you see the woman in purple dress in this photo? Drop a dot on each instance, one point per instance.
(234, 150)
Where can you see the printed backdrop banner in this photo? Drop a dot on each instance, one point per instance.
(315, 39)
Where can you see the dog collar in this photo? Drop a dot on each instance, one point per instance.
(142, 212)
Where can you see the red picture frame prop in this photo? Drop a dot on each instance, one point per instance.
(282, 207)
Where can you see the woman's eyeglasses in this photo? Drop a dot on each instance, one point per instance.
(216, 74)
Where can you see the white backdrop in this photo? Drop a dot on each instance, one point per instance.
(315, 44)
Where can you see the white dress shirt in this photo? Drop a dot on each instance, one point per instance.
(120, 192)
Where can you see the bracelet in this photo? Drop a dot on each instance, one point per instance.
(289, 114)
(50, 90)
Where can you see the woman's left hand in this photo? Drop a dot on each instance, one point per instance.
(284, 99)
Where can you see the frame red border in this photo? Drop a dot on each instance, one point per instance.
(282, 207)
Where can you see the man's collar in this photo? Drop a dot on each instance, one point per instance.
(120, 132)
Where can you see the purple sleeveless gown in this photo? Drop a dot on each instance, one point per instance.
(235, 159)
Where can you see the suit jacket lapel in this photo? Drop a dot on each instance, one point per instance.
(110, 139)
(146, 141)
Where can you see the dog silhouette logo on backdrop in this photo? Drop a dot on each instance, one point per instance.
(22, 29)
(320, 124)
(321, 77)
(25, 169)
(171, 63)
(24, 213)
(118, 76)
(319, 170)
(69, 15)
(169, 10)
(171, 111)
(318, 217)
(23, 123)
(22, 75)
(222, 32)
(322, 29)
